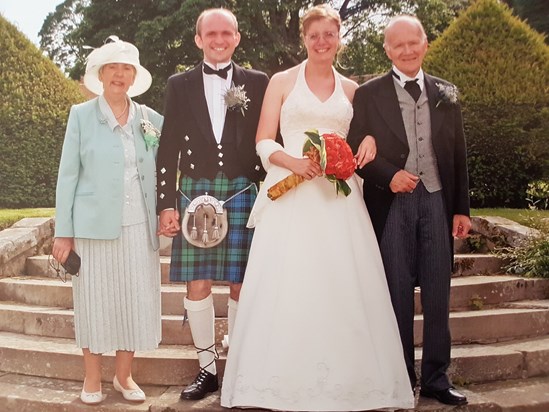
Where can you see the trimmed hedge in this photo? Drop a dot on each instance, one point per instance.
(36, 98)
(501, 67)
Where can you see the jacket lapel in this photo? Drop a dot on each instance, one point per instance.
(139, 139)
(436, 113)
(239, 79)
(197, 99)
(389, 108)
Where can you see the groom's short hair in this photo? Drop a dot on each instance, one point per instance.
(221, 10)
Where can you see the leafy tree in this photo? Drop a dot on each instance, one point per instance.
(535, 12)
(36, 98)
(57, 35)
(364, 52)
(163, 30)
(501, 67)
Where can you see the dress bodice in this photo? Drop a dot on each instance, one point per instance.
(303, 110)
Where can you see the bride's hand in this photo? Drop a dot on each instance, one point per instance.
(306, 168)
(366, 151)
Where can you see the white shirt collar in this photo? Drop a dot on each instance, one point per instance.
(218, 66)
(403, 78)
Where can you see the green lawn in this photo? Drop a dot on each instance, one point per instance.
(9, 216)
(522, 216)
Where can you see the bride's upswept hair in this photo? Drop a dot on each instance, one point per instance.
(322, 11)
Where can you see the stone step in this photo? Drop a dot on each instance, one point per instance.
(59, 358)
(516, 321)
(494, 325)
(465, 264)
(53, 292)
(59, 322)
(468, 293)
(483, 292)
(20, 393)
(39, 266)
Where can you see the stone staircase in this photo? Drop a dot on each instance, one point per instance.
(499, 323)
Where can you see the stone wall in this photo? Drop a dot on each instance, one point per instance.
(28, 237)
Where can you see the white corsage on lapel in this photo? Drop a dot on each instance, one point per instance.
(151, 134)
(447, 94)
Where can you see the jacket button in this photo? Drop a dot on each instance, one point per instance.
(402, 156)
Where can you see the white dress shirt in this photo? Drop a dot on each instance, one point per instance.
(214, 88)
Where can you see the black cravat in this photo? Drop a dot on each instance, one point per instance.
(221, 72)
(412, 87)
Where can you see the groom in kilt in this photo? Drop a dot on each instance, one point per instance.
(208, 138)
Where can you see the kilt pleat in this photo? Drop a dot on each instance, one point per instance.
(226, 261)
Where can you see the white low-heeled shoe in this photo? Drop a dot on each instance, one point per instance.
(133, 395)
(91, 398)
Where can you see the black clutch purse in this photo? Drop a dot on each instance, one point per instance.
(72, 264)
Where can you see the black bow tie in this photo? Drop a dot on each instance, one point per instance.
(410, 86)
(413, 88)
(221, 72)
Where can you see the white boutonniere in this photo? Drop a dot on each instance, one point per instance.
(447, 94)
(235, 98)
(151, 134)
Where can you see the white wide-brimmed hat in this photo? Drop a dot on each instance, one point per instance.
(117, 51)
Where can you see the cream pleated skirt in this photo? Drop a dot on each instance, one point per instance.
(117, 293)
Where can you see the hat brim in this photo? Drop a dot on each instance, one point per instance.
(142, 83)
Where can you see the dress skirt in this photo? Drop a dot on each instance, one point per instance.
(117, 293)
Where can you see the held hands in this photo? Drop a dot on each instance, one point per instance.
(461, 226)
(366, 151)
(169, 223)
(403, 182)
(61, 248)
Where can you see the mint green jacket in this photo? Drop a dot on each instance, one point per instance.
(90, 183)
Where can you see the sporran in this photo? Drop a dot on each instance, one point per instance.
(205, 221)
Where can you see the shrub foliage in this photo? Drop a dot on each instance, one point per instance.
(36, 98)
(501, 67)
(531, 257)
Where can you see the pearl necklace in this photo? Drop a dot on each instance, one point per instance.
(123, 111)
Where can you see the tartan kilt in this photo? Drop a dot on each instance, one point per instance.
(226, 261)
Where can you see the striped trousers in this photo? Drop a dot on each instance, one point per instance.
(415, 247)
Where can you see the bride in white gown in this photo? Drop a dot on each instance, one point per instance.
(315, 329)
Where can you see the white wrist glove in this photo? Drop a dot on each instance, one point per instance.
(265, 148)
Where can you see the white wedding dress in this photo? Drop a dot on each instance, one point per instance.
(315, 329)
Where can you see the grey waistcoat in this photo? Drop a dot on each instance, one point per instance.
(417, 121)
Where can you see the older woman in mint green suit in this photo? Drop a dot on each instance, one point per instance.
(106, 212)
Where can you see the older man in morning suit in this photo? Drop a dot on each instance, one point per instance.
(416, 191)
(212, 145)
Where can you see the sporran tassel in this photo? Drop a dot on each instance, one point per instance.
(205, 237)
(194, 231)
(215, 234)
